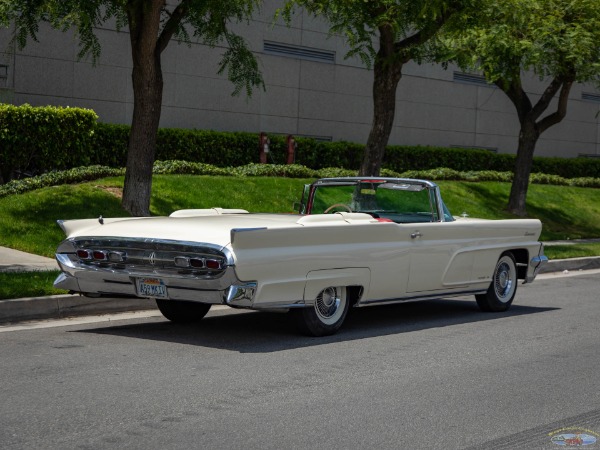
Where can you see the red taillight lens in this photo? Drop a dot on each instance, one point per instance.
(99, 255)
(84, 254)
(213, 264)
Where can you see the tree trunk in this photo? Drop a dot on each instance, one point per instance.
(528, 137)
(147, 89)
(144, 22)
(531, 130)
(387, 73)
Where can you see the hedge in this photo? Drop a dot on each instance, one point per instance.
(34, 139)
(232, 149)
(38, 140)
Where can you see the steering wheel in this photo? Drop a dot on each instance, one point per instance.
(340, 205)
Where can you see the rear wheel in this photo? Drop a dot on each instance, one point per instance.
(503, 287)
(182, 312)
(327, 314)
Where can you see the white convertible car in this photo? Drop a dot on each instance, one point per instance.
(356, 242)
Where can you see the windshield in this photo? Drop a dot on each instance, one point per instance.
(399, 202)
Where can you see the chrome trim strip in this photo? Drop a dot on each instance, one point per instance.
(152, 241)
(439, 296)
(282, 305)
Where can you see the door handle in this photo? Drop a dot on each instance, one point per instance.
(416, 234)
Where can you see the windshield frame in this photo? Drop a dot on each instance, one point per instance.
(440, 212)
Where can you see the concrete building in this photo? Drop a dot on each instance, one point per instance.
(311, 90)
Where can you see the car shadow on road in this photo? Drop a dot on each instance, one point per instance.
(262, 332)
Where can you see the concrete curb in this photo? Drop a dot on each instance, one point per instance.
(61, 306)
(572, 264)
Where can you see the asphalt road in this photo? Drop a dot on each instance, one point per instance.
(429, 375)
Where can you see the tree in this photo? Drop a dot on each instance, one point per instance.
(385, 34)
(557, 40)
(152, 25)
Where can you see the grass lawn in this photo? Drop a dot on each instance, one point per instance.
(28, 284)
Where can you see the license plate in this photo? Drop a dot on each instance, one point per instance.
(151, 287)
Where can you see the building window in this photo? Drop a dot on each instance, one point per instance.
(470, 78)
(298, 52)
(590, 97)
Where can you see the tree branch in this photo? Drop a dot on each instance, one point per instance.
(549, 93)
(561, 109)
(175, 19)
(423, 35)
(517, 95)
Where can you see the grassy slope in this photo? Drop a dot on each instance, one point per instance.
(28, 221)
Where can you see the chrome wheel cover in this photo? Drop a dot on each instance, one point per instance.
(329, 304)
(505, 278)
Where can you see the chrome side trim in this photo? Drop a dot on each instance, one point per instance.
(281, 305)
(440, 295)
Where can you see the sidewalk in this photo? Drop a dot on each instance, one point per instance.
(17, 261)
(60, 306)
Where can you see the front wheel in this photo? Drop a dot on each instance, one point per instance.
(327, 314)
(503, 287)
(182, 312)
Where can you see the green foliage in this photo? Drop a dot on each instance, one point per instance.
(109, 146)
(175, 167)
(36, 138)
(202, 152)
(188, 168)
(189, 21)
(56, 178)
(28, 284)
(547, 37)
(359, 22)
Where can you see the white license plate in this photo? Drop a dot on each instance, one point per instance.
(151, 287)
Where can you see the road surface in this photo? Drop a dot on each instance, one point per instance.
(429, 375)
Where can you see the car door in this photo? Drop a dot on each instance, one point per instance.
(439, 259)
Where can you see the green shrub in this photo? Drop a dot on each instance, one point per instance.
(74, 141)
(109, 146)
(38, 139)
(76, 175)
(90, 173)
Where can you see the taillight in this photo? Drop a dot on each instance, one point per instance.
(84, 254)
(213, 264)
(100, 255)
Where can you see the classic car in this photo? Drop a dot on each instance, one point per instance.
(355, 242)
